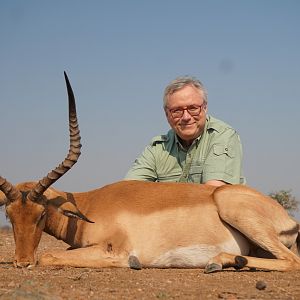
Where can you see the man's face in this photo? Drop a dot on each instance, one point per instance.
(191, 124)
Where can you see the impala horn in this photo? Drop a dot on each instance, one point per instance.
(11, 192)
(72, 157)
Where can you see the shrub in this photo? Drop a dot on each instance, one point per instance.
(286, 199)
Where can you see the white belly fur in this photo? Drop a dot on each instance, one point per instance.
(197, 256)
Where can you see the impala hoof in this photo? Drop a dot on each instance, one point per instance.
(213, 267)
(241, 262)
(134, 263)
(27, 265)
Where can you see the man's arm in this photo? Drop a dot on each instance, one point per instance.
(143, 167)
(223, 164)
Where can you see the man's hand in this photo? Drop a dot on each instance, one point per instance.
(215, 182)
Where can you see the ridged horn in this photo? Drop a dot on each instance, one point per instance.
(11, 192)
(73, 155)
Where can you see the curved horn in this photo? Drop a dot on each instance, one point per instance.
(11, 192)
(73, 155)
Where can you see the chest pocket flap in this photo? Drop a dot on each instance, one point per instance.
(223, 149)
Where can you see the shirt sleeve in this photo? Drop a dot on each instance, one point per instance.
(143, 167)
(224, 159)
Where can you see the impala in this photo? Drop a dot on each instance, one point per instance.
(144, 224)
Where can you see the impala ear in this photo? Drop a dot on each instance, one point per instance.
(70, 210)
(51, 193)
(3, 199)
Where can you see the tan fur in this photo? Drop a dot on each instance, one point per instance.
(160, 225)
(2, 199)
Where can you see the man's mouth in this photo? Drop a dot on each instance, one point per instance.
(187, 125)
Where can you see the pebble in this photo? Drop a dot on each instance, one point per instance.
(261, 285)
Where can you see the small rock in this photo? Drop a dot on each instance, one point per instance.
(261, 285)
(11, 284)
(227, 296)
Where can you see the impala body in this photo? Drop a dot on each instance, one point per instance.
(143, 224)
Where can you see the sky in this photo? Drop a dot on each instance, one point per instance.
(119, 56)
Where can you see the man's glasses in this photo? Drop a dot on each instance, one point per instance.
(193, 110)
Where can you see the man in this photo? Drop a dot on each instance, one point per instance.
(199, 148)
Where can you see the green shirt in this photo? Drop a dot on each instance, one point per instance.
(215, 155)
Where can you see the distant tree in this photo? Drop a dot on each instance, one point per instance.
(286, 199)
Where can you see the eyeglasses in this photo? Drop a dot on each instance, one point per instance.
(193, 110)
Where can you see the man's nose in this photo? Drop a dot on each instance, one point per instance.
(186, 114)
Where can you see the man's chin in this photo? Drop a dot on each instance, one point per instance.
(188, 136)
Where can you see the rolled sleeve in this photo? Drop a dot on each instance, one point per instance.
(224, 159)
(143, 167)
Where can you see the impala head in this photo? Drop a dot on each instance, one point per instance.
(26, 204)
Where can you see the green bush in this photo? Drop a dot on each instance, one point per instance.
(286, 199)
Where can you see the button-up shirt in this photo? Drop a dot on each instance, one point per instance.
(215, 155)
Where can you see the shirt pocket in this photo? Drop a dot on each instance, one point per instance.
(223, 150)
(221, 162)
(195, 174)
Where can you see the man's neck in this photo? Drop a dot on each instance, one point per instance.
(186, 144)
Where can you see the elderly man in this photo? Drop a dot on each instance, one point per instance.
(199, 148)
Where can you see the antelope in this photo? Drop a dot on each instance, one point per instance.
(140, 224)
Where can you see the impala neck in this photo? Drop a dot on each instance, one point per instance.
(61, 227)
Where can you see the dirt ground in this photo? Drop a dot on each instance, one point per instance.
(83, 283)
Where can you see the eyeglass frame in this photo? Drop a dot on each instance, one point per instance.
(182, 109)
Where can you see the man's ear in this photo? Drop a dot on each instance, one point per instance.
(168, 116)
(71, 211)
(166, 111)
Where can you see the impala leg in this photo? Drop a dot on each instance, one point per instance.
(265, 223)
(285, 259)
(222, 261)
(90, 257)
(226, 260)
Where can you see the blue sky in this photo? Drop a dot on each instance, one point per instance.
(119, 56)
